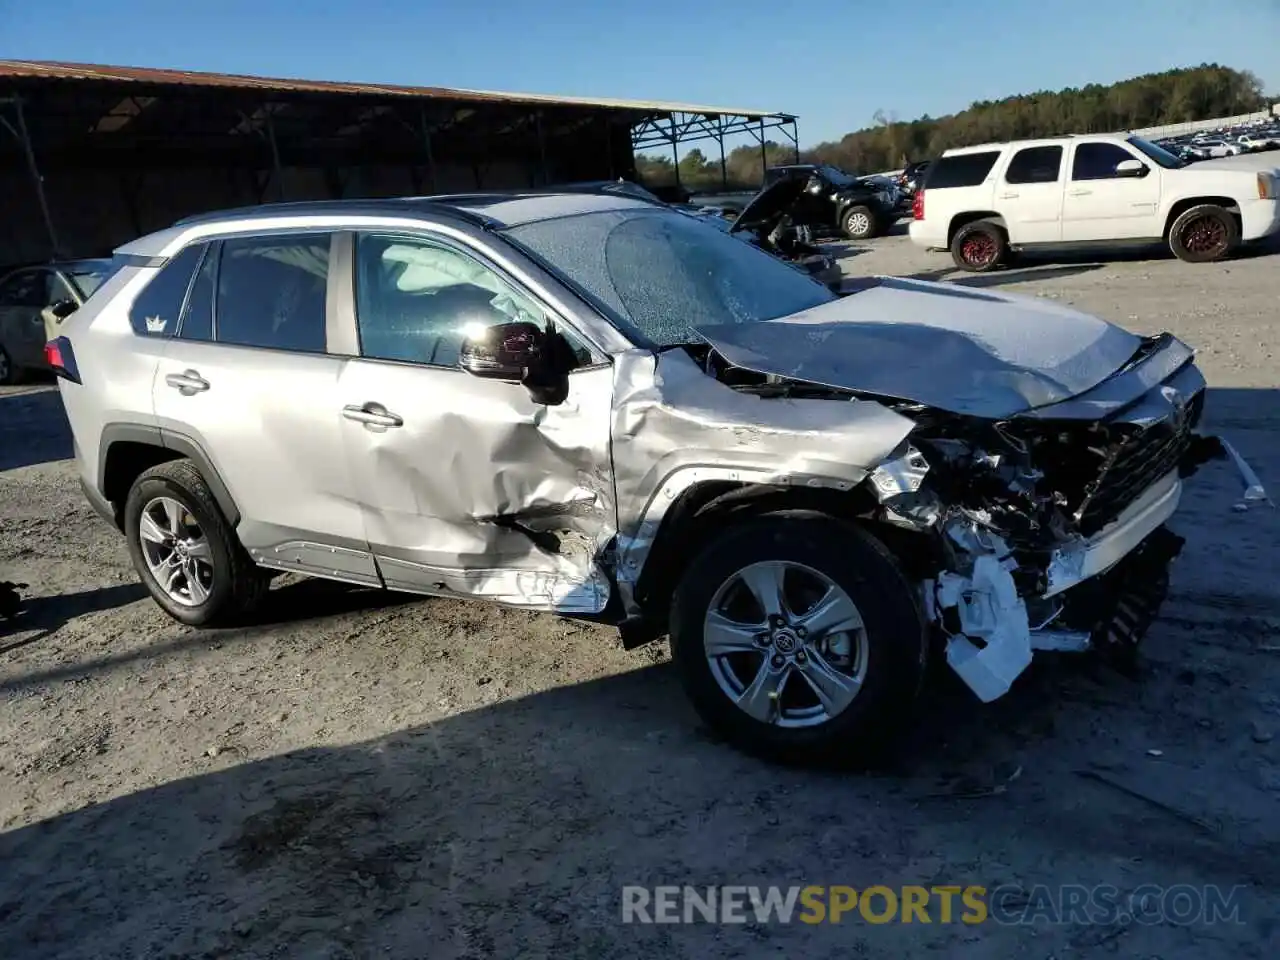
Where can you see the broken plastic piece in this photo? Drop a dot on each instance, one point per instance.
(989, 610)
(1063, 641)
(1253, 489)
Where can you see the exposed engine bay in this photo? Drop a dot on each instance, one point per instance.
(1029, 532)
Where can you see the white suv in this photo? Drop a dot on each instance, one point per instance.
(983, 202)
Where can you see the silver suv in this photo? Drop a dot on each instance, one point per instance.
(602, 408)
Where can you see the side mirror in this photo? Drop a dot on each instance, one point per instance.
(55, 313)
(520, 352)
(1131, 168)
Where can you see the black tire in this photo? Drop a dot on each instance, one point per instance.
(238, 584)
(896, 640)
(860, 222)
(1204, 234)
(9, 374)
(980, 246)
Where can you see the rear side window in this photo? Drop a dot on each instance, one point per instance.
(156, 309)
(271, 292)
(1035, 165)
(962, 170)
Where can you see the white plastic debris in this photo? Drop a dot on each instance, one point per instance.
(989, 611)
(1253, 489)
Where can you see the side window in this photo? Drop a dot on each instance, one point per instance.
(416, 300)
(26, 289)
(197, 319)
(156, 309)
(271, 292)
(1097, 161)
(1035, 165)
(58, 290)
(961, 170)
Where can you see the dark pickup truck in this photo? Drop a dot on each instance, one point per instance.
(830, 202)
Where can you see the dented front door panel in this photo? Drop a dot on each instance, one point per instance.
(479, 491)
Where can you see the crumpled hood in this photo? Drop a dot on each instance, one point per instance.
(973, 352)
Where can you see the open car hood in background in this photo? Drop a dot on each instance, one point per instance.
(770, 203)
(971, 352)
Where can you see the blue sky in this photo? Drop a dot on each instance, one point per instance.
(834, 63)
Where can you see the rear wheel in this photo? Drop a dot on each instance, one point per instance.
(8, 372)
(1203, 234)
(980, 246)
(798, 639)
(860, 223)
(184, 550)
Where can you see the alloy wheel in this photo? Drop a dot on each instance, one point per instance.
(978, 250)
(176, 551)
(786, 644)
(859, 224)
(1205, 235)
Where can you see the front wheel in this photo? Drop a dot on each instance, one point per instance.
(860, 223)
(1203, 234)
(798, 638)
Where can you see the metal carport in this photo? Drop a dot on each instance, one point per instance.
(91, 156)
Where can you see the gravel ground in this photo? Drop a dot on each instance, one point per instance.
(366, 775)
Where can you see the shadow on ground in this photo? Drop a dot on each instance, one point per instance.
(33, 428)
(46, 614)
(510, 830)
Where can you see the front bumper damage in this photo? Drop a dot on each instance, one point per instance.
(1101, 591)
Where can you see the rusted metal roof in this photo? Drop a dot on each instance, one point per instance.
(48, 70)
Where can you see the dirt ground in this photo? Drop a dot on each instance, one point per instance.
(363, 775)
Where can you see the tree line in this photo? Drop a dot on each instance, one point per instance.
(1174, 96)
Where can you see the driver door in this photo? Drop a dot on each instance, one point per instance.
(467, 486)
(1100, 205)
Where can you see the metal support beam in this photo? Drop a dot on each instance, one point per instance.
(675, 148)
(724, 166)
(425, 129)
(795, 138)
(764, 154)
(275, 156)
(542, 148)
(24, 137)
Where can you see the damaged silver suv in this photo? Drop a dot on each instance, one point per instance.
(600, 408)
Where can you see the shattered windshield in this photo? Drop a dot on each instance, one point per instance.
(663, 275)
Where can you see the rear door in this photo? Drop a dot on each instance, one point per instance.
(248, 380)
(467, 485)
(1029, 194)
(1100, 205)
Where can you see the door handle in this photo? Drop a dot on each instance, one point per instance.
(372, 415)
(1079, 193)
(1008, 196)
(187, 382)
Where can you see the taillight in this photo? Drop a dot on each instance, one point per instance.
(917, 205)
(59, 355)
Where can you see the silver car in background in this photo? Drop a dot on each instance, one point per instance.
(599, 407)
(33, 303)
